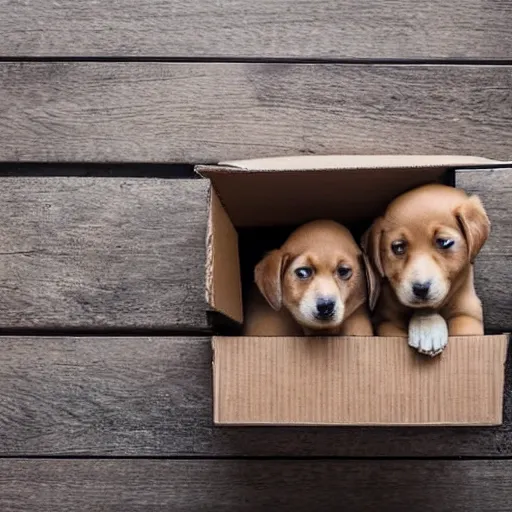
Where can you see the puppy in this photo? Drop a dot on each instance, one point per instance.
(423, 247)
(314, 284)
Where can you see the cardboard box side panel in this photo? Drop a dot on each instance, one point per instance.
(224, 289)
(357, 381)
(311, 162)
(291, 198)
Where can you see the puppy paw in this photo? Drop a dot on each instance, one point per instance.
(428, 333)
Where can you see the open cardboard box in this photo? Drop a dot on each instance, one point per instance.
(336, 380)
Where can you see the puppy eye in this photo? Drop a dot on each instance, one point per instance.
(344, 272)
(444, 243)
(399, 247)
(304, 272)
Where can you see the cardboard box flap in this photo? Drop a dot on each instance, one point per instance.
(293, 190)
(223, 285)
(348, 162)
(257, 199)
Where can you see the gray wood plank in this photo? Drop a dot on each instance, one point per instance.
(96, 253)
(204, 112)
(152, 397)
(254, 485)
(267, 28)
(493, 278)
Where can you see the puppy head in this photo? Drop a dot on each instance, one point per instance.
(425, 240)
(318, 275)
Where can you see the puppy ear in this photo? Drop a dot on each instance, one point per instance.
(475, 224)
(370, 243)
(372, 282)
(268, 274)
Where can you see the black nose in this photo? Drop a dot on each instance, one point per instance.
(325, 308)
(421, 289)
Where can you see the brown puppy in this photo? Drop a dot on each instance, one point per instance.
(424, 247)
(316, 280)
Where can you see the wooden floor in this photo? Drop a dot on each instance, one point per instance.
(105, 367)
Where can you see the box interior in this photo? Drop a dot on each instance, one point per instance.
(256, 204)
(252, 213)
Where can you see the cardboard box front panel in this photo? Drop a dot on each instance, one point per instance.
(357, 381)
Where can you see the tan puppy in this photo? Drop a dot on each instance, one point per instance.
(316, 280)
(424, 247)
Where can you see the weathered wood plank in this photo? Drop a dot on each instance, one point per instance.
(154, 112)
(267, 28)
(96, 253)
(254, 485)
(152, 397)
(493, 276)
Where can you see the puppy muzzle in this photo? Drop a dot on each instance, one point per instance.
(422, 294)
(322, 312)
(325, 309)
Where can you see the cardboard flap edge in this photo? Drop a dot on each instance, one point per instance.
(347, 162)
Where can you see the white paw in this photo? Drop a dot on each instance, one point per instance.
(428, 333)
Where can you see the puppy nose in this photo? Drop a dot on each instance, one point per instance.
(421, 289)
(325, 307)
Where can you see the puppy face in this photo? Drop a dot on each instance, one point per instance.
(316, 286)
(425, 240)
(317, 275)
(421, 264)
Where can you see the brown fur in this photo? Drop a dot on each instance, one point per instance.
(323, 246)
(419, 217)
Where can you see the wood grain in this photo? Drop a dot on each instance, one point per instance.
(254, 485)
(267, 28)
(150, 397)
(493, 277)
(206, 112)
(96, 253)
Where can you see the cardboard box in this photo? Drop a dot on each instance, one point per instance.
(334, 381)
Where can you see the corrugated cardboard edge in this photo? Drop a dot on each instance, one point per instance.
(209, 296)
(350, 162)
(223, 285)
(225, 368)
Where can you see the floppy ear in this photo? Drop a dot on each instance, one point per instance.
(372, 282)
(370, 243)
(268, 274)
(474, 223)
